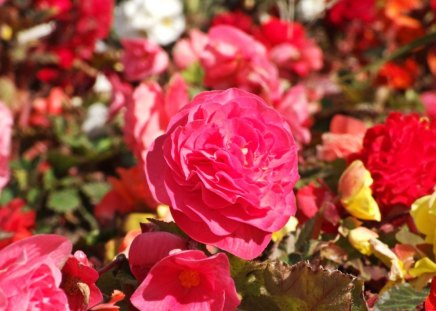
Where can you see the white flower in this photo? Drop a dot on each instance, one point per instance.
(95, 119)
(311, 9)
(162, 21)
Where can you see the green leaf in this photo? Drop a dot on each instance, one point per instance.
(63, 201)
(303, 287)
(402, 297)
(95, 191)
(404, 236)
(261, 302)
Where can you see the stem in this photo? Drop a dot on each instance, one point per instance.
(116, 263)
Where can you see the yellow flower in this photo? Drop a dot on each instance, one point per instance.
(424, 214)
(355, 192)
(290, 226)
(423, 266)
(359, 238)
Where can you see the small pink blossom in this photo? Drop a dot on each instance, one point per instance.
(150, 247)
(6, 122)
(142, 58)
(78, 283)
(429, 101)
(188, 280)
(345, 138)
(30, 274)
(149, 112)
(226, 165)
(187, 51)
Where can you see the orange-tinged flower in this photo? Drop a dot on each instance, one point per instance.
(355, 192)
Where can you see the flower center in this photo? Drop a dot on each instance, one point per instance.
(189, 278)
(69, 285)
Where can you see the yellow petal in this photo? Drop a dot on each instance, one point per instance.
(133, 220)
(423, 212)
(388, 257)
(423, 266)
(359, 238)
(290, 226)
(355, 192)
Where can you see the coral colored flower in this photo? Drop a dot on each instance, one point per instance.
(15, 224)
(142, 58)
(399, 76)
(355, 192)
(6, 122)
(78, 283)
(226, 165)
(150, 110)
(423, 212)
(289, 48)
(232, 58)
(349, 10)
(237, 19)
(400, 156)
(294, 106)
(43, 108)
(345, 138)
(30, 275)
(187, 51)
(188, 280)
(149, 248)
(429, 101)
(129, 194)
(117, 296)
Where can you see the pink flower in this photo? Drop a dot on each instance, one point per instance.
(429, 101)
(78, 282)
(6, 122)
(294, 106)
(226, 165)
(289, 48)
(121, 94)
(142, 58)
(15, 224)
(150, 247)
(150, 110)
(345, 138)
(30, 275)
(233, 58)
(187, 51)
(188, 280)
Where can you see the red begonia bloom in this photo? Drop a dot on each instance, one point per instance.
(430, 302)
(188, 280)
(15, 224)
(401, 157)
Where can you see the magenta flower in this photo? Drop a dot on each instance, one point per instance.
(188, 280)
(78, 282)
(227, 166)
(150, 247)
(30, 275)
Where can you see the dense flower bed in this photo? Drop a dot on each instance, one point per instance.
(217, 155)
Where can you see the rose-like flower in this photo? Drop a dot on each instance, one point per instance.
(142, 59)
(6, 122)
(400, 155)
(78, 282)
(233, 58)
(345, 138)
(188, 280)
(150, 247)
(30, 275)
(226, 165)
(15, 224)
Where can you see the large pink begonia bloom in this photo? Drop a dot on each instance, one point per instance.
(6, 122)
(150, 247)
(150, 110)
(30, 275)
(233, 58)
(142, 58)
(226, 165)
(188, 280)
(345, 138)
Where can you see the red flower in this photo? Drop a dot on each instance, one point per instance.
(15, 224)
(399, 76)
(349, 10)
(78, 282)
(430, 302)
(401, 156)
(236, 19)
